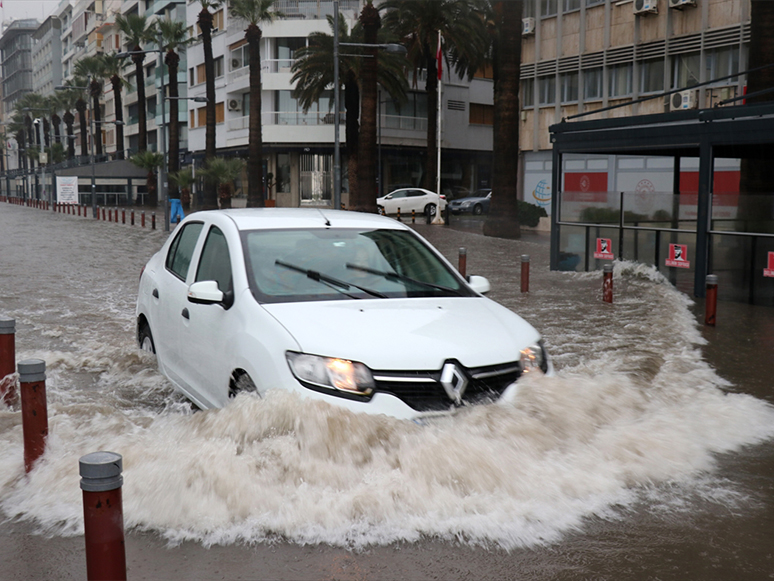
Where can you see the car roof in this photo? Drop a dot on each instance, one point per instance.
(288, 218)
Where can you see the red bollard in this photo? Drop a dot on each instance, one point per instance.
(132, 215)
(525, 273)
(463, 262)
(103, 214)
(32, 386)
(711, 302)
(103, 515)
(110, 215)
(142, 219)
(116, 214)
(123, 216)
(607, 283)
(7, 360)
(79, 210)
(153, 220)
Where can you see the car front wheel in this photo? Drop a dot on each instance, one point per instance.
(241, 382)
(478, 210)
(146, 339)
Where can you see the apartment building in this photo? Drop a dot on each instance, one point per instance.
(47, 56)
(579, 56)
(298, 145)
(16, 61)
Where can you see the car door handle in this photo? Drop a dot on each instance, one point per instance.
(155, 292)
(185, 314)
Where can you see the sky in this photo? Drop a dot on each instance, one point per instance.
(20, 9)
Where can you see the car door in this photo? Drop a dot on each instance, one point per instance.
(417, 200)
(170, 294)
(208, 329)
(397, 200)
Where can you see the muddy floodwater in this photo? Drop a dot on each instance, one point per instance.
(648, 456)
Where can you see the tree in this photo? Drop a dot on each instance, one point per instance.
(68, 100)
(503, 218)
(150, 162)
(173, 34)
(463, 27)
(114, 69)
(313, 77)
(204, 20)
(365, 201)
(183, 179)
(254, 12)
(221, 173)
(137, 31)
(92, 68)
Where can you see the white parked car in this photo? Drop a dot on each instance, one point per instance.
(354, 309)
(408, 199)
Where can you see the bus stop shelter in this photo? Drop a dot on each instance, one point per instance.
(692, 220)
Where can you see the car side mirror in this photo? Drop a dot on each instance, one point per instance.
(479, 284)
(205, 292)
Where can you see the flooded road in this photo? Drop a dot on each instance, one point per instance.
(637, 461)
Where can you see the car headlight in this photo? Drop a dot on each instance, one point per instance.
(534, 358)
(339, 374)
(465, 204)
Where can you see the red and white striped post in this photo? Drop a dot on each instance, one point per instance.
(103, 515)
(525, 273)
(7, 360)
(32, 387)
(711, 301)
(607, 283)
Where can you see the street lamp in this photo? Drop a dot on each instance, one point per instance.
(392, 48)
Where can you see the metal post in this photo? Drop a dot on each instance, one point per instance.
(336, 112)
(711, 302)
(525, 273)
(91, 155)
(463, 262)
(7, 359)
(163, 138)
(103, 515)
(32, 386)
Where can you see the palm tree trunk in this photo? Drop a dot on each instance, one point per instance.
(352, 130)
(366, 169)
(210, 201)
(141, 114)
(57, 123)
(96, 89)
(173, 164)
(255, 196)
(81, 108)
(431, 88)
(503, 219)
(117, 84)
(69, 119)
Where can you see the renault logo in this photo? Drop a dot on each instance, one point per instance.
(454, 382)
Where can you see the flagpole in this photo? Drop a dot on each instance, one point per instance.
(438, 219)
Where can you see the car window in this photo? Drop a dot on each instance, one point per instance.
(182, 249)
(215, 263)
(399, 194)
(416, 193)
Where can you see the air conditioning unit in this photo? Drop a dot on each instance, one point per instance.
(680, 4)
(683, 100)
(234, 105)
(527, 26)
(236, 64)
(645, 6)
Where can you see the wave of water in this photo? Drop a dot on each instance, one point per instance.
(634, 415)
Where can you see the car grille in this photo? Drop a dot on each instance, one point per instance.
(423, 392)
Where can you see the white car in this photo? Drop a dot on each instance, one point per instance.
(354, 309)
(408, 199)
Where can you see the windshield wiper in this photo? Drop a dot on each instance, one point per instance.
(394, 276)
(334, 283)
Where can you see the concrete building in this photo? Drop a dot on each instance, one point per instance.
(16, 61)
(47, 56)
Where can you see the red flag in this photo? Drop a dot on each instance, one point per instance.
(439, 59)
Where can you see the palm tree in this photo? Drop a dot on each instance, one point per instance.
(254, 12)
(462, 25)
(204, 21)
(221, 173)
(365, 201)
(173, 34)
(137, 31)
(114, 68)
(68, 100)
(313, 75)
(183, 179)
(503, 218)
(149, 161)
(93, 68)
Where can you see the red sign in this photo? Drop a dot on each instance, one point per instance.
(678, 256)
(604, 249)
(769, 272)
(585, 187)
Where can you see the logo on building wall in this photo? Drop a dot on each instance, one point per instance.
(769, 272)
(542, 193)
(585, 183)
(604, 249)
(678, 256)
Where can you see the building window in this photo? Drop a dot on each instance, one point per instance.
(570, 5)
(528, 9)
(594, 2)
(620, 80)
(191, 77)
(592, 84)
(547, 8)
(220, 112)
(528, 93)
(283, 172)
(201, 73)
(192, 122)
(218, 62)
(722, 62)
(568, 85)
(217, 21)
(285, 49)
(652, 76)
(547, 90)
(481, 114)
(240, 57)
(201, 120)
(685, 70)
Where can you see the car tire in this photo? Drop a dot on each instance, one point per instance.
(241, 382)
(430, 210)
(380, 210)
(145, 339)
(478, 210)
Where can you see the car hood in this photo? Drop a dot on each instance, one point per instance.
(416, 333)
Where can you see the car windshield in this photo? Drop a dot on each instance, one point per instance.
(329, 264)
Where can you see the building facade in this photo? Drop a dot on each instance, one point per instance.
(16, 61)
(47, 56)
